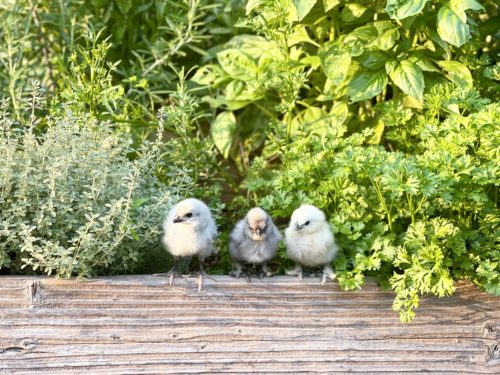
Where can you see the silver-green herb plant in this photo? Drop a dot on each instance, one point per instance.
(76, 199)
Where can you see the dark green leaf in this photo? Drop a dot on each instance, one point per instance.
(353, 13)
(399, 9)
(366, 85)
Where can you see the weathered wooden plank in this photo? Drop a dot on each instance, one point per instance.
(138, 324)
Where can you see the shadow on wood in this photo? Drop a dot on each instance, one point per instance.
(132, 324)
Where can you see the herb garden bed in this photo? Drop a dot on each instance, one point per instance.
(138, 324)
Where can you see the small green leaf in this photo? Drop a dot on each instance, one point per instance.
(387, 40)
(460, 6)
(373, 60)
(304, 7)
(237, 64)
(251, 5)
(210, 75)
(330, 4)
(367, 33)
(408, 77)
(352, 13)
(299, 35)
(335, 62)
(339, 113)
(222, 131)
(366, 85)
(451, 27)
(423, 63)
(458, 73)
(378, 131)
(399, 9)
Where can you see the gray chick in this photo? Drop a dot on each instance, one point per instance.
(310, 242)
(189, 229)
(254, 240)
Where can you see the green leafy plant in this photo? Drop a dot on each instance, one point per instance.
(310, 58)
(417, 221)
(71, 200)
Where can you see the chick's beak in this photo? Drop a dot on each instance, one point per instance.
(298, 227)
(178, 220)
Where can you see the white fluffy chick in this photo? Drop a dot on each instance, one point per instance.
(310, 242)
(189, 229)
(254, 240)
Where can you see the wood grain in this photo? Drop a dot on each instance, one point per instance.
(138, 324)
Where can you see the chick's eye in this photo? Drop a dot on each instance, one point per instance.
(307, 222)
(190, 214)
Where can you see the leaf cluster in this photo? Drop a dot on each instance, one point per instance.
(415, 221)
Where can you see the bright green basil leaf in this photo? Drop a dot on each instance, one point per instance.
(373, 60)
(366, 85)
(313, 61)
(408, 77)
(251, 5)
(339, 113)
(424, 63)
(222, 131)
(399, 9)
(237, 64)
(330, 4)
(451, 27)
(378, 131)
(387, 40)
(253, 45)
(460, 6)
(335, 62)
(383, 26)
(304, 7)
(365, 34)
(210, 75)
(353, 12)
(299, 35)
(458, 73)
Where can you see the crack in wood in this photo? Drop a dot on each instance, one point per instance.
(493, 354)
(491, 330)
(34, 293)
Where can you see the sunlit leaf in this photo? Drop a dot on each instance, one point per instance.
(399, 9)
(304, 7)
(458, 73)
(222, 131)
(408, 77)
(366, 85)
(451, 27)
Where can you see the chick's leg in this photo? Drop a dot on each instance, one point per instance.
(173, 271)
(296, 271)
(237, 270)
(203, 274)
(328, 273)
(266, 271)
